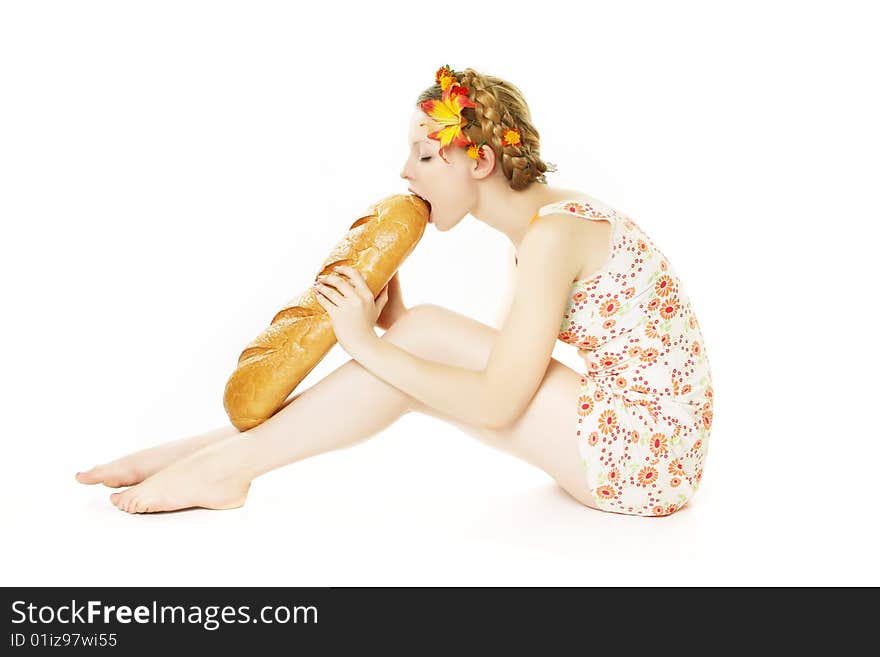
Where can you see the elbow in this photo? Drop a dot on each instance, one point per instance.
(502, 413)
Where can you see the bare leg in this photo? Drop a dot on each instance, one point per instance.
(134, 468)
(349, 406)
(319, 421)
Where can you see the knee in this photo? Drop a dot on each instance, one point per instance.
(417, 316)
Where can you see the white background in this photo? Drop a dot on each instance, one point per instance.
(172, 172)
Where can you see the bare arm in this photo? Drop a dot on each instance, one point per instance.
(510, 288)
(520, 355)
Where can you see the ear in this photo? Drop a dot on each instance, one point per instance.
(484, 166)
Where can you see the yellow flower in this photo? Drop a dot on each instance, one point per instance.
(511, 137)
(447, 113)
(446, 81)
(474, 151)
(443, 72)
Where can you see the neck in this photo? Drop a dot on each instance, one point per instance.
(510, 211)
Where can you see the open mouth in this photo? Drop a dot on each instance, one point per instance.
(427, 202)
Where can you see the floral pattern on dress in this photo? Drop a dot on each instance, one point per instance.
(645, 401)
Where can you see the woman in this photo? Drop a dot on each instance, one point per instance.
(629, 435)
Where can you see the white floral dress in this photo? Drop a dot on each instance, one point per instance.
(644, 403)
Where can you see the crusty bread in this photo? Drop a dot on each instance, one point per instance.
(301, 333)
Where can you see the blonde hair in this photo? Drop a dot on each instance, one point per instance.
(500, 106)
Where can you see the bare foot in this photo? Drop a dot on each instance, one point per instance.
(136, 467)
(210, 478)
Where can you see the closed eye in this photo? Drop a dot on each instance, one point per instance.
(422, 159)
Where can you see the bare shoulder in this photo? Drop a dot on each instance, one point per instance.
(587, 243)
(554, 240)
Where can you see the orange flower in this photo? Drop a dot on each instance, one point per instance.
(609, 307)
(613, 475)
(620, 382)
(511, 137)
(659, 444)
(447, 113)
(649, 355)
(444, 76)
(669, 309)
(475, 152)
(663, 285)
(585, 405)
(675, 481)
(589, 342)
(676, 468)
(605, 492)
(607, 421)
(647, 475)
(593, 439)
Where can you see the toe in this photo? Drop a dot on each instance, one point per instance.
(131, 496)
(92, 476)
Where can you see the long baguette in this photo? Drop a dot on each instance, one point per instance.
(301, 334)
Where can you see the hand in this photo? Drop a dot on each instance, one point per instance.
(348, 300)
(394, 308)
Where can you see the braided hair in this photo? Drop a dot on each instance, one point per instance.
(500, 106)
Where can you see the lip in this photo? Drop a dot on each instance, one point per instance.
(412, 191)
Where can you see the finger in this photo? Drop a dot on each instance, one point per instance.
(339, 282)
(357, 280)
(381, 301)
(328, 292)
(322, 301)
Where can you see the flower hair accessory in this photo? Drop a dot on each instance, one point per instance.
(447, 113)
